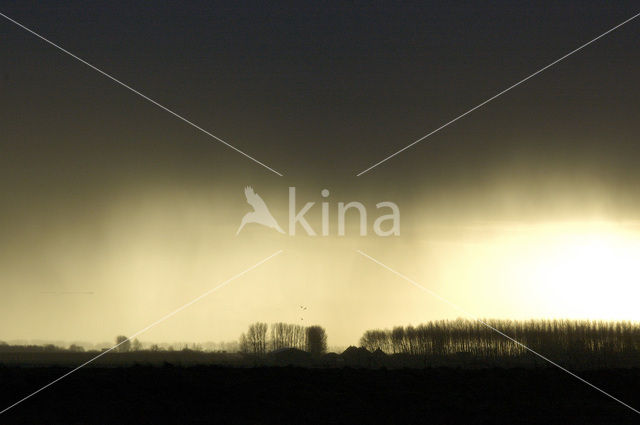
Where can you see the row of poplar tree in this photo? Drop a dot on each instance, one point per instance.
(583, 341)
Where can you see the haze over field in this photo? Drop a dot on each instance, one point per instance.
(114, 213)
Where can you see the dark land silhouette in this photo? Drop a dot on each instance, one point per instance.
(295, 395)
(439, 372)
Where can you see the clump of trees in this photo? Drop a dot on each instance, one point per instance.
(285, 335)
(255, 340)
(576, 342)
(123, 344)
(76, 348)
(261, 338)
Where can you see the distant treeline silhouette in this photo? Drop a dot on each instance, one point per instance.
(580, 343)
(32, 348)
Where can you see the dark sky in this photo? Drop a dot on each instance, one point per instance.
(318, 91)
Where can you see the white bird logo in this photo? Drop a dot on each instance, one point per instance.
(260, 213)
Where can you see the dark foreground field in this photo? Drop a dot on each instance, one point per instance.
(209, 394)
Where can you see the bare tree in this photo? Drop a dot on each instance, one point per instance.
(285, 335)
(243, 344)
(278, 336)
(376, 339)
(398, 340)
(136, 345)
(298, 337)
(255, 340)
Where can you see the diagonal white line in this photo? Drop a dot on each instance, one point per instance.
(175, 114)
(498, 95)
(460, 309)
(193, 301)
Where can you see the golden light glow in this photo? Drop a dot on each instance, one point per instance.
(591, 274)
(578, 270)
(159, 251)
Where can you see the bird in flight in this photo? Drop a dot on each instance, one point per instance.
(260, 213)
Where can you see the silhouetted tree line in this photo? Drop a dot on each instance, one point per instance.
(123, 344)
(576, 342)
(32, 348)
(260, 338)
